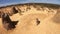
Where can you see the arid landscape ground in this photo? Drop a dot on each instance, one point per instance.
(48, 15)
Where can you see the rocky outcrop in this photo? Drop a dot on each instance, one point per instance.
(10, 10)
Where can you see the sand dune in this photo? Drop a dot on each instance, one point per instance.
(49, 22)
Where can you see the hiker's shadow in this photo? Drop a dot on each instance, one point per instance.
(6, 21)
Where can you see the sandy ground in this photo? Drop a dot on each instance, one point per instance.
(27, 23)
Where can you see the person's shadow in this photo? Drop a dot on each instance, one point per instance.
(7, 23)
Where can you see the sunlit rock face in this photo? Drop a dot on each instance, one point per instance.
(33, 19)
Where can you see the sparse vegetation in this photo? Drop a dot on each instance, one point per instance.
(11, 9)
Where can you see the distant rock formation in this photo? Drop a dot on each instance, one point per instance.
(10, 10)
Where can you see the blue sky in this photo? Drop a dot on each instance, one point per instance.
(9, 2)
